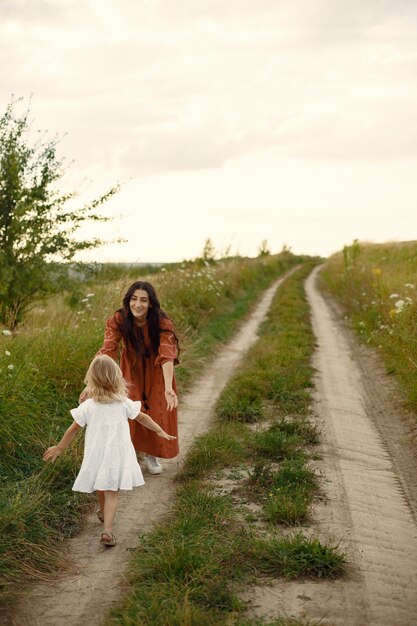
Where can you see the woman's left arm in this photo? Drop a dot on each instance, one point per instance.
(170, 395)
(168, 352)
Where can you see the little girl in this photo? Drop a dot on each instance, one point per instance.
(109, 462)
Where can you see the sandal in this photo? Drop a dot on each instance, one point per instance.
(100, 515)
(110, 541)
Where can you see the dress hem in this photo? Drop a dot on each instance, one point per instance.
(118, 489)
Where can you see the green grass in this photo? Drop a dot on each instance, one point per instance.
(288, 496)
(277, 442)
(50, 354)
(242, 400)
(371, 281)
(298, 556)
(286, 488)
(221, 447)
(278, 368)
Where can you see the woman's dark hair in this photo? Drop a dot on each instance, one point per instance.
(155, 313)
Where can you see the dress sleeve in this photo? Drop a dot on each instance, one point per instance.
(168, 350)
(133, 408)
(80, 414)
(112, 338)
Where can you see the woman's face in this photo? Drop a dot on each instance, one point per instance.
(139, 304)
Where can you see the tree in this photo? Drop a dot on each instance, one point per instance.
(37, 229)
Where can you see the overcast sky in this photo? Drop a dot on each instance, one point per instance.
(235, 120)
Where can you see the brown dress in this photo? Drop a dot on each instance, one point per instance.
(146, 384)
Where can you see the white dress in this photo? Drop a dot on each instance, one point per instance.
(109, 462)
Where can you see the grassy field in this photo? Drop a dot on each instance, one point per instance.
(215, 541)
(41, 371)
(245, 490)
(377, 286)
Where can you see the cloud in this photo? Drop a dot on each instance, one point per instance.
(166, 86)
(191, 149)
(32, 10)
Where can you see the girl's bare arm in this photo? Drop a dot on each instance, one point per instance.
(54, 451)
(147, 421)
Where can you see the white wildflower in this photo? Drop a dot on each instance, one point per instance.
(399, 306)
(90, 295)
(6, 332)
(84, 300)
(7, 353)
(409, 286)
(10, 367)
(394, 295)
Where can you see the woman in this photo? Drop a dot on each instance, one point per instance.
(149, 350)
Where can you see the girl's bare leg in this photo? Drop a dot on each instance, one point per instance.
(110, 508)
(100, 497)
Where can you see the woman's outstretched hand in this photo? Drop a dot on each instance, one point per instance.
(171, 398)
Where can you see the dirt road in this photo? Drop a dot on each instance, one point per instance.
(369, 471)
(83, 597)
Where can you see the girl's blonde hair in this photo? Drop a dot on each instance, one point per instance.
(104, 380)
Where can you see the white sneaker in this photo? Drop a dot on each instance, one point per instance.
(152, 464)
